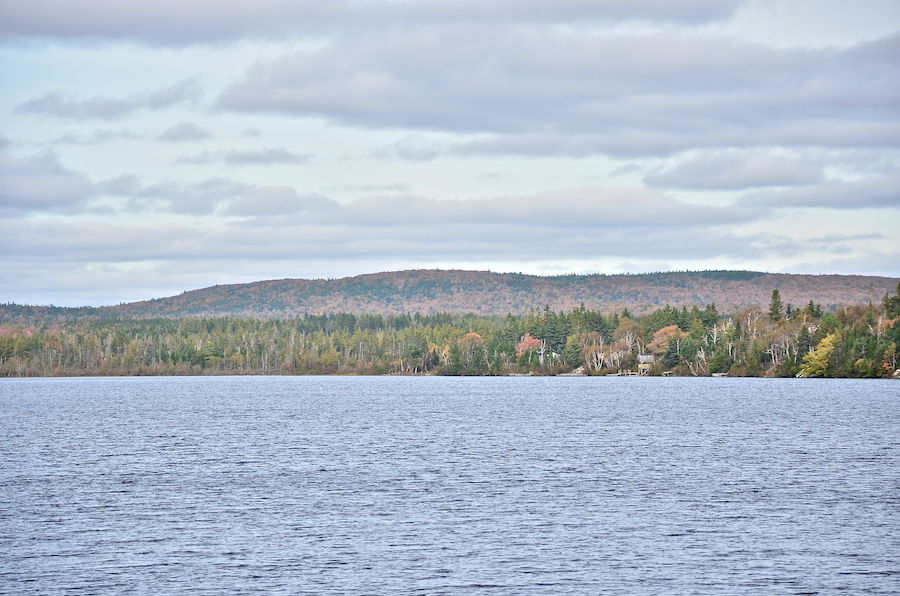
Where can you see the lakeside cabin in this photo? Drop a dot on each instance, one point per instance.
(645, 361)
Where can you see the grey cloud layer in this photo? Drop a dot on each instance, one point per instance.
(577, 91)
(40, 183)
(737, 170)
(277, 201)
(199, 198)
(580, 223)
(573, 208)
(60, 105)
(601, 210)
(171, 22)
(874, 192)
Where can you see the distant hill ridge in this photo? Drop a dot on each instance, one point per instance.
(483, 292)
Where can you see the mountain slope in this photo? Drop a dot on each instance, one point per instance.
(481, 292)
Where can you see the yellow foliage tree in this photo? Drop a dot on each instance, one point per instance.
(469, 344)
(815, 364)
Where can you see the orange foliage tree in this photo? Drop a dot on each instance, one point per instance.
(527, 343)
(661, 338)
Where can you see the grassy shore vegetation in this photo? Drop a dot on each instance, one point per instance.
(855, 341)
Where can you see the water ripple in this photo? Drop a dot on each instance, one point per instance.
(449, 486)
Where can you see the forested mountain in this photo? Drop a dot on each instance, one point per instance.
(854, 341)
(736, 323)
(486, 293)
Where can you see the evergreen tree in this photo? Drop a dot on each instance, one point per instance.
(710, 315)
(803, 341)
(814, 310)
(671, 357)
(776, 307)
(572, 355)
(892, 304)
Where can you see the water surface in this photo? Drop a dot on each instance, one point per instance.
(373, 485)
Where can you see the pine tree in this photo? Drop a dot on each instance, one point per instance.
(776, 307)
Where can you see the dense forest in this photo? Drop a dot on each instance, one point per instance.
(854, 341)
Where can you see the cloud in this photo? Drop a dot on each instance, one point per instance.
(261, 157)
(539, 91)
(168, 196)
(98, 137)
(185, 131)
(265, 157)
(280, 200)
(281, 224)
(275, 229)
(876, 192)
(654, 83)
(587, 215)
(64, 106)
(170, 22)
(198, 159)
(416, 148)
(568, 209)
(736, 170)
(125, 185)
(200, 198)
(40, 183)
(877, 263)
(81, 241)
(661, 143)
(369, 189)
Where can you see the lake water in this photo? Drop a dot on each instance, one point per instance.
(398, 485)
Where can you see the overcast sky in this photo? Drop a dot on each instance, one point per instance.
(150, 148)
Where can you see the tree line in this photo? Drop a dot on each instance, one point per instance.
(854, 341)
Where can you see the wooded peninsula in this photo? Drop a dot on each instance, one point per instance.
(777, 340)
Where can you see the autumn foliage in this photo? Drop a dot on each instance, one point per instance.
(661, 338)
(527, 343)
(810, 341)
